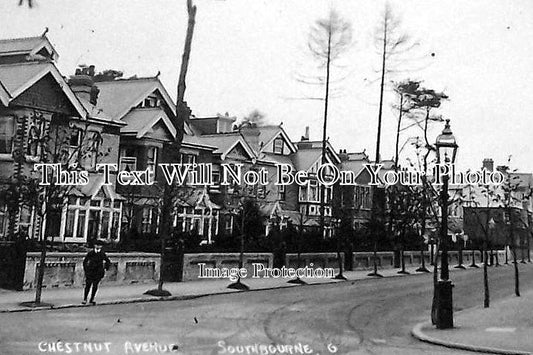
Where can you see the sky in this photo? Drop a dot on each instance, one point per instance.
(247, 54)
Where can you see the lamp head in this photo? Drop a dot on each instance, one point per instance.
(446, 145)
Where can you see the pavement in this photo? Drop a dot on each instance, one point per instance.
(58, 298)
(506, 327)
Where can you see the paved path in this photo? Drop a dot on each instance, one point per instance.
(70, 297)
(506, 327)
(370, 316)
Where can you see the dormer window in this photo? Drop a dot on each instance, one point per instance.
(278, 145)
(150, 101)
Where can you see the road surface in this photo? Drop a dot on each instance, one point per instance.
(372, 316)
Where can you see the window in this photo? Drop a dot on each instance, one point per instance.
(94, 223)
(104, 233)
(187, 159)
(228, 223)
(35, 132)
(128, 163)
(97, 219)
(7, 133)
(71, 220)
(75, 138)
(281, 192)
(128, 159)
(116, 225)
(151, 160)
(216, 179)
(3, 220)
(362, 197)
(80, 230)
(150, 102)
(149, 220)
(328, 194)
(303, 193)
(278, 145)
(313, 191)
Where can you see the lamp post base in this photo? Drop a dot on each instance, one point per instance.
(238, 285)
(459, 267)
(422, 269)
(297, 281)
(444, 304)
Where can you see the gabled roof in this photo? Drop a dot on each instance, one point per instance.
(26, 46)
(195, 141)
(19, 77)
(275, 158)
(318, 146)
(267, 134)
(311, 151)
(118, 97)
(305, 158)
(141, 120)
(225, 142)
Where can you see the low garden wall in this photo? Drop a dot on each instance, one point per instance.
(222, 260)
(66, 269)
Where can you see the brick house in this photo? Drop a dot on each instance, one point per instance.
(34, 96)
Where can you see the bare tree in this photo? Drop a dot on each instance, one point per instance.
(509, 199)
(171, 150)
(329, 38)
(482, 218)
(392, 44)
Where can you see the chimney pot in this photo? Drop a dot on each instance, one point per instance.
(488, 164)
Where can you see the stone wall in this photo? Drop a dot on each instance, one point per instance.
(322, 260)
(222, 260)
(66, 269)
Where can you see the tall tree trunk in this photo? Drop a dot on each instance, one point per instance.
(324, 135)
(516, 275)
(486, 299)
(378, 141)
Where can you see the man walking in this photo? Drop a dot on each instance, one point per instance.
(94, 266)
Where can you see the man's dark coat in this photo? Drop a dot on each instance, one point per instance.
(95, 265)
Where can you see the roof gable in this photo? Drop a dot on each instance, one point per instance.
(29, 46)
(18, 78)
(143, 121)
(225, 142)
(267, 146)
(118, 97)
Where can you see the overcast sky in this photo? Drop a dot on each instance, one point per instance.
(245, 54)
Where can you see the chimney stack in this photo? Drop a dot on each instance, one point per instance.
(488, 164)
(82, 84)
(305, 137)
(343, 155)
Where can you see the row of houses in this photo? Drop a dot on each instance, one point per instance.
(101, 118)
(105, 119)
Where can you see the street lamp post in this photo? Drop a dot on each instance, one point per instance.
(446, 151)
